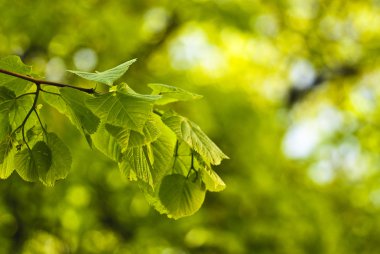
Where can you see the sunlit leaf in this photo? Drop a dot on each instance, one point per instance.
(192, 134)
(14, 64)
(60, 161)
(7, 152)
(212, 180)
(15, 108)
(106, 77)
(106, 143)
(125, 110)
(80, 115)
(5, 127)
(54, 99)
(181, 196)
(172, 94)
(25, 166)
(42, 156)
(137, 163)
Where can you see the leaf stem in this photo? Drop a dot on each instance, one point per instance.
(39, 120)
(58, 94)
(18, 97)
(45, 82)
(33, 108)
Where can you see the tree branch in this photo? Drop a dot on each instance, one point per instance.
(44, 82)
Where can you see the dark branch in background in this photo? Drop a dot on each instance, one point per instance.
(296, 95)
(144, 51)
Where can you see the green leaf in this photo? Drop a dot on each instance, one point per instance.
(60, 161)
(172, 94)
(26, 166)
(42, 156)
(14, 64)
(7, 100)
(106, 143)
(15, 108)
(181, 196)
(34, 133)
(150, 132)
(128, 138)
(120, 134)
(211, 180)
(137, 163)
(79, 114)
(125, 110)
(152, 197)
(54, 99)
(5, 127)
(7, 153)
(163, 149)
(192, 135)
(106, 77)
(150, 161)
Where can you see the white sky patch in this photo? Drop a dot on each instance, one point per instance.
(193, 49)
(302, 74)
(303, 137)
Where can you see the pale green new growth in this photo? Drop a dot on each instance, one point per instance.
(169, 156)
(122, 109)
(172, 94)
(13, 63)
(192, 135)
(106, 77)
(181, 196)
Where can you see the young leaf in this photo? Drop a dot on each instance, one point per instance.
(181, 196)
(79, 114)
(26, 166)
(5, 127)
(60, 161)
(137, 163)
(128, 138)
(120, 134)
(42, 156)
(125, 110)
(15, 108)
(54, 99)
(211, 180)
(14, 64)
(34, 133)
(172, 94)
(163, 149)
(192, 135)
(151, 161)
(106, 143)
(7, 100)
(106, 77)
(7, 153)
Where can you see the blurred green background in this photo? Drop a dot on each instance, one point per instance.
(291, 94)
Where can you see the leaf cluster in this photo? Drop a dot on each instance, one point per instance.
(168, 155)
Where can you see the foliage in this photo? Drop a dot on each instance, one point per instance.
(131, 135)
(291, 96)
